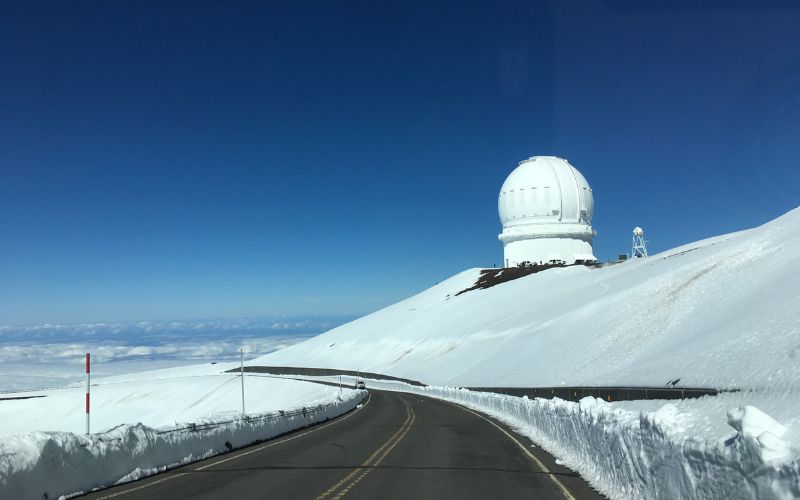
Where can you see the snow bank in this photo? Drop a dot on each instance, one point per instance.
(645, 454)
(48, 464)
(759, 433)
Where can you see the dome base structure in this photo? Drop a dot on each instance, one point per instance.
(546, 208)
(547, 250)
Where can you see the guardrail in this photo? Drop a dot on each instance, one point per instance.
(264, 417)
(322, 372)
(306, 412)
(574, 393)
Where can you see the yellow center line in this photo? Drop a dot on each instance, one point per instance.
(237, 455)
(377, 462)
(370, 458)
(374, 459)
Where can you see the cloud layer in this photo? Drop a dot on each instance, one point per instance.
(213, 340)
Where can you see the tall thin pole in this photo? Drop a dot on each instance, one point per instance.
(241, 371)
(88, 389)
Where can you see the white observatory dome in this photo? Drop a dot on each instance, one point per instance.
(546, 209)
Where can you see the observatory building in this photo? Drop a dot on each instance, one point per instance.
(546, 209)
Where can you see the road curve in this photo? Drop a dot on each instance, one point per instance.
(396, 446)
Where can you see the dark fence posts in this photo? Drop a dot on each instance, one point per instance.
(606, 393)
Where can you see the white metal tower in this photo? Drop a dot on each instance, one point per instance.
(639, 244)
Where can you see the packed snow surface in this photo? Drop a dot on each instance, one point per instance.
(721, 313)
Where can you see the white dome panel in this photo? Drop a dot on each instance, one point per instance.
(545, 188)
(546, 197)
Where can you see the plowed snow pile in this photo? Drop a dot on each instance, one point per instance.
(147, 422)
(721, 313)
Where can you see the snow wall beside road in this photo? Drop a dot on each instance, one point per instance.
(50, 464)
(644, 455)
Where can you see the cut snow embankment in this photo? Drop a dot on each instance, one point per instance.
(184, 415)
(655, 453)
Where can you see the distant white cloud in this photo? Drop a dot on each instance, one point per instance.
(192, 341)
(257, 325)
(188, 349)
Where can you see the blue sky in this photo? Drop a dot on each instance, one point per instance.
(165, 160)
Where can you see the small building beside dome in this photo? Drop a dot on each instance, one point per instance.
(546, 208)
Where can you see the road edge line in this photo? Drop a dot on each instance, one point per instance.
(522, 447)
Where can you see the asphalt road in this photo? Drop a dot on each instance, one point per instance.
(396, 446)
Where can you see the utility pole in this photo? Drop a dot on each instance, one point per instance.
(241, 372)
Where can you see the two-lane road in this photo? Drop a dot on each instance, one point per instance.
(396, 446)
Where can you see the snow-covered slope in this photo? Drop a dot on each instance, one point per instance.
(156, 398)
(720, 313)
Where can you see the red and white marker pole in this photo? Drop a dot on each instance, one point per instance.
(88, 385)
(241, 368)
